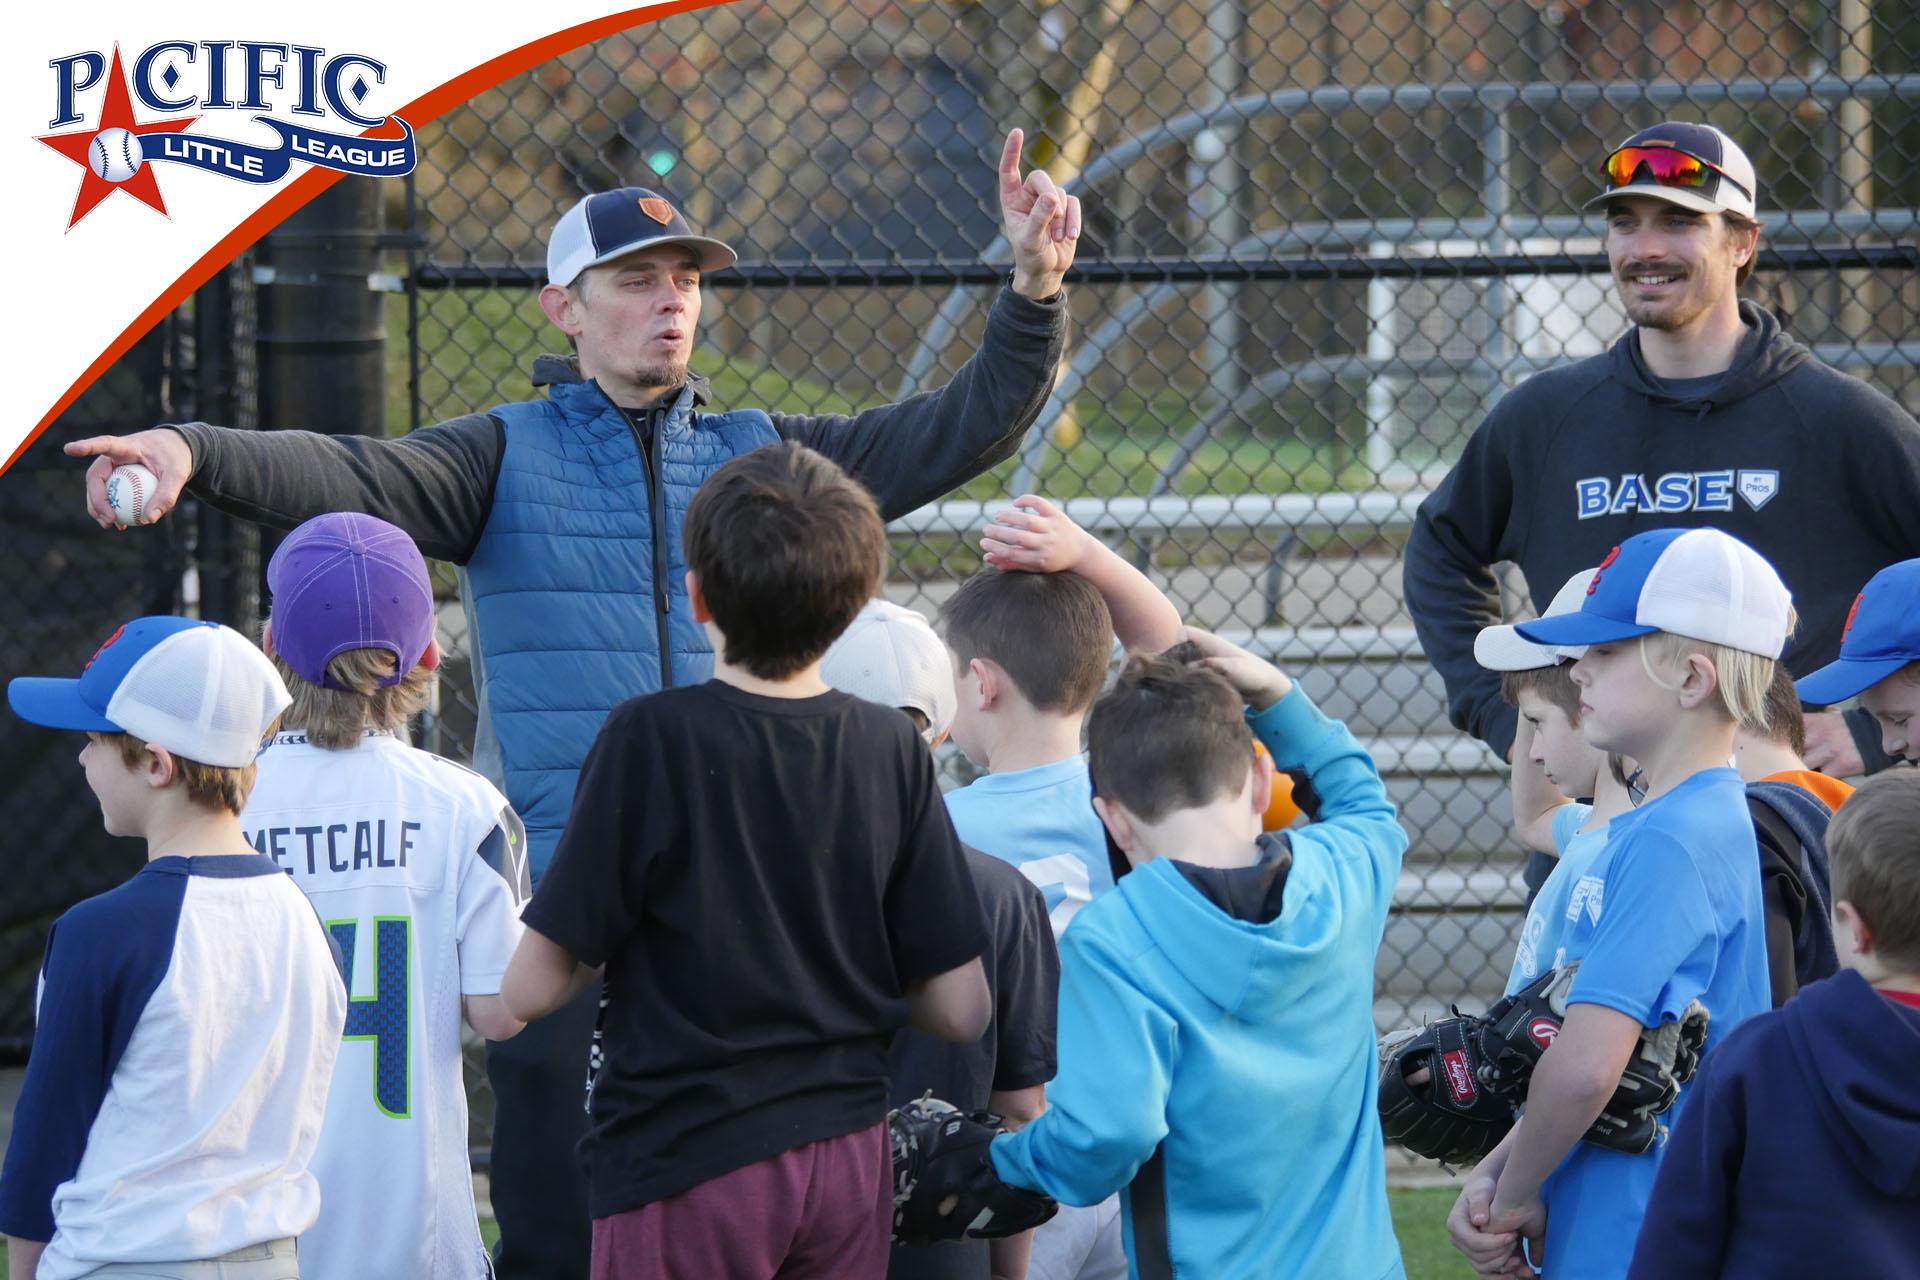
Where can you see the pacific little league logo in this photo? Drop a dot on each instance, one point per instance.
(218, 75)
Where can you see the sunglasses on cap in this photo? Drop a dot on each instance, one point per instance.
(1669, 166)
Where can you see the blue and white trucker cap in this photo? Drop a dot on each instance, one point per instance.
(201, 690)
(1699, 583)
(1882, 636)
(613, 224)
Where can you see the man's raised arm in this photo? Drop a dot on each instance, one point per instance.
(435, 483)
(912, 452)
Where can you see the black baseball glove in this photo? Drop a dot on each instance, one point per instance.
(1480, 1069)
(1452, 1116)
(944, 1185)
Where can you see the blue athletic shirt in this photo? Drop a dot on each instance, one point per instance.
(1042, 821)
(1669, 911)
(1539, 948)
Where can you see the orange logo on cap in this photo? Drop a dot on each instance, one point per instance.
(1851, 615)
(657, 209)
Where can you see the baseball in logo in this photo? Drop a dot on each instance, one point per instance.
(119, 151)
(1543, 1030)
(1459, 1076)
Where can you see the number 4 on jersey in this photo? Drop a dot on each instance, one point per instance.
(382, 1017)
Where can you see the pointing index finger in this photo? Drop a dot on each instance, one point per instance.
(1010, 160)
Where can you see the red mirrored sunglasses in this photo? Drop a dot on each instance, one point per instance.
(1669, 167)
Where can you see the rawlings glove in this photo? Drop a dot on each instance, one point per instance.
(1453, 1116)
(944, 1185)
(1479, 1070)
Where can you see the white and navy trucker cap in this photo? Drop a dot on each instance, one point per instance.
(613, 224)
(1730, 188)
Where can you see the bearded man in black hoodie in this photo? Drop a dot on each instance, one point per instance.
(1704, 413)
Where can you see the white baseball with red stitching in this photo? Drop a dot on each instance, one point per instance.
(129, 488)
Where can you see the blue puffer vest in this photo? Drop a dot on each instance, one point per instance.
(562, 586)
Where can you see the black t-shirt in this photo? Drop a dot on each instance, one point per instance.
(762, 877)
(1017, 1052)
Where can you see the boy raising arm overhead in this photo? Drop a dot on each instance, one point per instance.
(1216, 1009)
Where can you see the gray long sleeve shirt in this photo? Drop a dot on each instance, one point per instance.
(437, 483)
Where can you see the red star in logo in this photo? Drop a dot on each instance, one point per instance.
(116, 114)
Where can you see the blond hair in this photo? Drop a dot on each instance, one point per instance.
(335, 719)
(220, 788)
(1741, 679)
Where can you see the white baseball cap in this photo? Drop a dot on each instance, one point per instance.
(1699, 583)
(613, 224)
(1502, 649)
(891, 655)
(201, 690)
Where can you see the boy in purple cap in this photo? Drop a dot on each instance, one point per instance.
(150, 1139)
(1879, 659)
(1682, 628)
(418, 867)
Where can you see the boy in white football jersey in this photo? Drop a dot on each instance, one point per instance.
(416, 864)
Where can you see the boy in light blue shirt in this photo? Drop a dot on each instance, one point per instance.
(1551, 761)
(1682, 628)
(1216, 1009)
(1031, 636)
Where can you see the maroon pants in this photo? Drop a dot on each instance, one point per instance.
(823, 1210)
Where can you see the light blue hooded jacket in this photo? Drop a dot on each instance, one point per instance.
(1218, 1062)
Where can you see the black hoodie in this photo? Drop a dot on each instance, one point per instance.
(1797, 1152)
(1814, 469)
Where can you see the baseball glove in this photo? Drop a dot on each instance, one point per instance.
(1452, 1116)
(944, 1186)
(1482, 1067)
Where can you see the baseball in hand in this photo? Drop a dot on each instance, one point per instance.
(129, 489)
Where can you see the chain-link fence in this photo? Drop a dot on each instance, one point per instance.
(72, 583)
(1322, 238)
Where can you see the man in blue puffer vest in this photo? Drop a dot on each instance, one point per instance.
(564, 516)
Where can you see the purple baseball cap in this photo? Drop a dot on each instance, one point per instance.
(346, 581)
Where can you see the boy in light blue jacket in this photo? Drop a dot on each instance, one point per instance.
(1216, 1038)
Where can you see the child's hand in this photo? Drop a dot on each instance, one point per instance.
(1259, 683)
(1033, 536)
(1491, 1252)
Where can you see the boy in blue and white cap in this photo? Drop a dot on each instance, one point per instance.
(187, 1020)
(1682, 628)
(1879, 659)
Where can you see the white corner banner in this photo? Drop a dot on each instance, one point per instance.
(142, 137)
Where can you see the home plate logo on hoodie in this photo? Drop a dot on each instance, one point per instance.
(1758, 487)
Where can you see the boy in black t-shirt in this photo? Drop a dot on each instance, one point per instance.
(766, 871)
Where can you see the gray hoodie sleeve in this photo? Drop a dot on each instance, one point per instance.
(922, 448)
(436, 483)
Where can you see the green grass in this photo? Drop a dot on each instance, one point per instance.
(1420, 1220)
